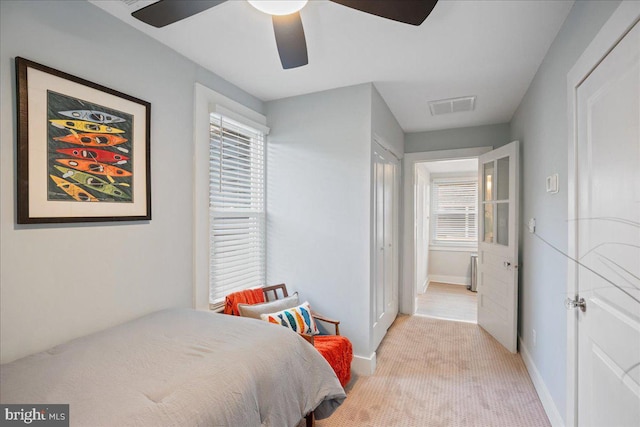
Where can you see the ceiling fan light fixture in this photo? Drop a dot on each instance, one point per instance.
(278, 7)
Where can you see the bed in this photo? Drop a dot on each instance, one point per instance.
(180, 367)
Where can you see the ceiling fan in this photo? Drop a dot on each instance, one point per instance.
(287, 25)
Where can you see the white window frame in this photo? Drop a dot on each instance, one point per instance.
(207, 101)
(435, 242)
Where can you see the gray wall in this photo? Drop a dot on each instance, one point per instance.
(384, 124)
(540, 123)
(318, 187)
(448, 139)
(58, 282)
(319, 200)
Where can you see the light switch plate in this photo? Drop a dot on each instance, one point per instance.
(532, 225)
(552, 183)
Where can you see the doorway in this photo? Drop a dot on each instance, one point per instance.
(497, 278)
(409, 286)
(445, 240)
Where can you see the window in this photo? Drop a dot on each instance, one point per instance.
(236, 208)
(454, 212)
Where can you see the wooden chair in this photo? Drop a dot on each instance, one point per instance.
(334, 348)
(275, 292)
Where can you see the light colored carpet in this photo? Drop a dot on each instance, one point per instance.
(445, 301)
(434, 373)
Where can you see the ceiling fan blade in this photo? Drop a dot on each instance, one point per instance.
(412, 12)
(165, 12)
(292, 45)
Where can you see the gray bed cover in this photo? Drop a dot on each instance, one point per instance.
(180, 367)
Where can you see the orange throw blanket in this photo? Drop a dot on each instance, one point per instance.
(338, 352)
(248, 296)
(336, 349)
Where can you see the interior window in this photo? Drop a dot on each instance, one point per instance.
(455, 212)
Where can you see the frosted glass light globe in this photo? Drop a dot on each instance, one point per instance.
(278, 7)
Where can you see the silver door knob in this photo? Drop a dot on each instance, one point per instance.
(576, 303)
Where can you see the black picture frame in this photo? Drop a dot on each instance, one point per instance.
(83, 149)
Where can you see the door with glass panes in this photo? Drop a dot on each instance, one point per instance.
(497, 283)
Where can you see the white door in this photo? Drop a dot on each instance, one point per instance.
(497, 284)
(385, 240)
(608, 239)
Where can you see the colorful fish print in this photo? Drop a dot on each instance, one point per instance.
(307, 318)
(292, 321)
(300, 321)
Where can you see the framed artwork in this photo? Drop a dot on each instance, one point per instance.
(83, 150)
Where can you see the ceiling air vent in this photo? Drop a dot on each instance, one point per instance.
(452, 105)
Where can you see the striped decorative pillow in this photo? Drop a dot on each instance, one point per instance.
(297, 318)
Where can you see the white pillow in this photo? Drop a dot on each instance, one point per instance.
(255, 310)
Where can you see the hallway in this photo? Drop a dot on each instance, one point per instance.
(448, 302)
(435, 373)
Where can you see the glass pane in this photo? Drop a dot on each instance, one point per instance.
(503, 223)
(488, 223)
(488, 181)
(503, 179)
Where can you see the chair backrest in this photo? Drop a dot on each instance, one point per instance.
(271, 292)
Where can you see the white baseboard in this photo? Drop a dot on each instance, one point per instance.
(543, 392)
(423, 288)
(364, 366)
(454, 280)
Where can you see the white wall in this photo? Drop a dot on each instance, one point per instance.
(58, 282)
(449, 266)
(540, 123)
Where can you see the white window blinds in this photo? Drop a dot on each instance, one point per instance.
(454, 215)
(236, 208)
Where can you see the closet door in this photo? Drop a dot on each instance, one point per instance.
(384, 284)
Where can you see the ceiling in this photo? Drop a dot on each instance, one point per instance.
(490, 49)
